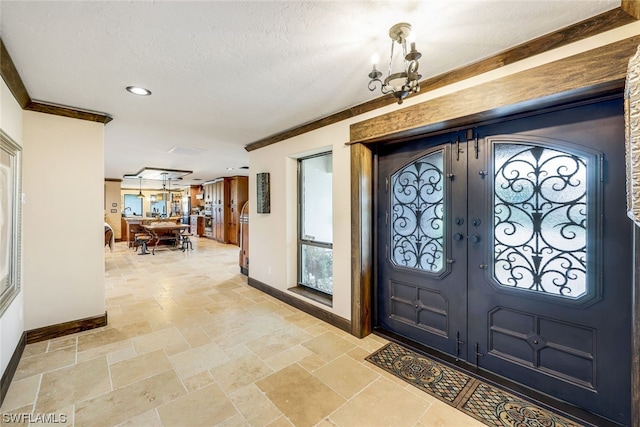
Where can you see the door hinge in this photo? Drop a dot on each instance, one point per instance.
(458, 149)
(450, 261)
(458, 343)
(386, 218)
(470, 136)
(386, 185)
(477, 353)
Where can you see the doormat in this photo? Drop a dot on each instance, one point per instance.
(485, 403)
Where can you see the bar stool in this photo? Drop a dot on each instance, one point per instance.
(142, 240)
(186, 241)
(137, 241)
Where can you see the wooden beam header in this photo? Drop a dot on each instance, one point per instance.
(16, 86)
(590, 27)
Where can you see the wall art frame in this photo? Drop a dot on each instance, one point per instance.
(263, 196)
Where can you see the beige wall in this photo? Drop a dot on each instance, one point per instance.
(272, 237)
(63, 240)
(12, 321)
(111, 196)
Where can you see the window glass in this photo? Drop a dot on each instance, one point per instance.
(541, 229)
(315, 213)
(417, 214)
(317, 216)
(132, 205)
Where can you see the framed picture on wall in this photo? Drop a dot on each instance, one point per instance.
(10, 219)
(264, 204)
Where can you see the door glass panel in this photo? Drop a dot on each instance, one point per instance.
(540, 220)
(417, 214)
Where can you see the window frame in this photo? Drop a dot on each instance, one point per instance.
(301, 241)
(10, 288)
(124, 204)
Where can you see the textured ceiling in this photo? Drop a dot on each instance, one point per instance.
(227, 73)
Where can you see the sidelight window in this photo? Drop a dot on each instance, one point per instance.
(315, 230)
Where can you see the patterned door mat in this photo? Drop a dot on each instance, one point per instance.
(487, 404)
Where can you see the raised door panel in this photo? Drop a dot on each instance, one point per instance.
(231, 207)
(239, 192)
(233, 191)
(193, 224)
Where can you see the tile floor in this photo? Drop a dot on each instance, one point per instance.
(189, 343)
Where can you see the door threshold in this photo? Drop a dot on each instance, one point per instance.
(565, 409)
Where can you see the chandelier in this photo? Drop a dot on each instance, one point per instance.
(400, 83)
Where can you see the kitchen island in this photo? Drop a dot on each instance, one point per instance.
(133, 224)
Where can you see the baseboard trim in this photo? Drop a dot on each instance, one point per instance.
(66, 328)
(7, 377)
(332, 319)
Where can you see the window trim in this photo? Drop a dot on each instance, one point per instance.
(300, 241)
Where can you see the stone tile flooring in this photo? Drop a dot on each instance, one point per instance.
(189, 343)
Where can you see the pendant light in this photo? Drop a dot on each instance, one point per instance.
(140, 195)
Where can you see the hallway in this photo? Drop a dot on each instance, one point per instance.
(189, 343)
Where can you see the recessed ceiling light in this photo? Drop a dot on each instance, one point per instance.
(137, 90)
(229, 169)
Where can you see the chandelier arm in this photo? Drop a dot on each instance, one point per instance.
(385, 91)
(383, 87)
(372, 84)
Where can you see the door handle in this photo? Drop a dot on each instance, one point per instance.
(475, 238)
(457, 237)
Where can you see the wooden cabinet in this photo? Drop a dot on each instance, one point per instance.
(196, 195)
(238, 195)
(225, 197)
(196, 223)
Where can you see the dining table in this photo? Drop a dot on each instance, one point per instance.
(167, 232)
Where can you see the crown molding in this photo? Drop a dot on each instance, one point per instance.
(15, 84)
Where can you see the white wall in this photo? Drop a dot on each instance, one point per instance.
(63, 238)
(12, 322)
(272, 237)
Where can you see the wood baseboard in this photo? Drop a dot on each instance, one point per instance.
(7, 377)
(66, 328)
(332, 319)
